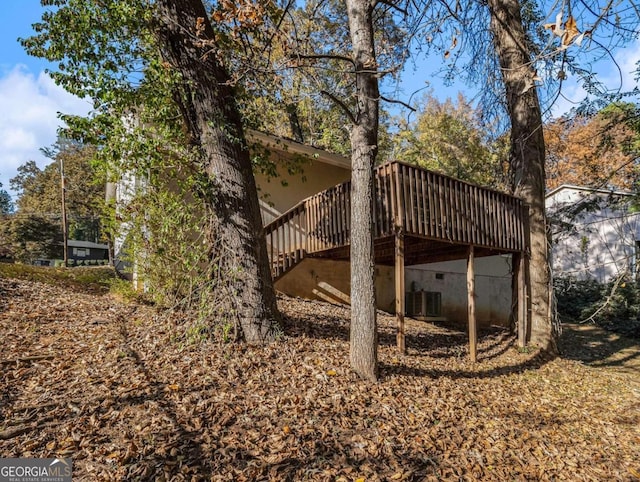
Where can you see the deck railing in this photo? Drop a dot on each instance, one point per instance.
(407, 198)
(428, 204)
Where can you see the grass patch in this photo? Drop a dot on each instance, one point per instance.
(123, 290)
(91, 278)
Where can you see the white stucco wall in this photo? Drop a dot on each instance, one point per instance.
(281, 193)
(493, 287)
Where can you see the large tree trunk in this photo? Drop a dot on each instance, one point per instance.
(208, 104)
(364, 148)
(527, 154)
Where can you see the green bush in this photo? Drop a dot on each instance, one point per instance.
(124, 289)
(614, 305)
(574, 296)
(91, 278)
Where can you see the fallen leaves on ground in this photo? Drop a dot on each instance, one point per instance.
(120, 389)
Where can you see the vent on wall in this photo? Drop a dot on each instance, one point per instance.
(423, 303)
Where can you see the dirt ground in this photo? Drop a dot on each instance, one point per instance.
(133, 394)
(596, 347)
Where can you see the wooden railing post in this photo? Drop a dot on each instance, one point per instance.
(525, 276)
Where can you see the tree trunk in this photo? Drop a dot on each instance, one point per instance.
(364, 148)
(527, 154)
(238, 245)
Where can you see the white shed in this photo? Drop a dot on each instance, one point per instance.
(594, 232)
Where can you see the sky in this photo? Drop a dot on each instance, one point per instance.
(30, 101)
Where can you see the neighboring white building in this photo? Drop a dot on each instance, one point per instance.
(594, 232)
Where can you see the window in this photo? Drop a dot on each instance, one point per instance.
(81, 252)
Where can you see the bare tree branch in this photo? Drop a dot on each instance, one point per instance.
(397, 101)
(390, 4)
(341, 104)
(322, 57)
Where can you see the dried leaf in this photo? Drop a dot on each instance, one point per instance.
(571, 31)
(132, 404)
(556, 28)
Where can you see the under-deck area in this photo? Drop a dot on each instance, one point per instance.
(419, 217)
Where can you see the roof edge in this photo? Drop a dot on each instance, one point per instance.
(587, 189)
(286, 145)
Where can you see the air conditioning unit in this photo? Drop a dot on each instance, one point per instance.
(423, 303)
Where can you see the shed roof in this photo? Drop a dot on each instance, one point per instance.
(74, 243)
(586, 189)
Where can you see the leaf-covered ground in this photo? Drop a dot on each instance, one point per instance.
(127, 394)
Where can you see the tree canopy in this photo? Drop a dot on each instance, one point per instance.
(600, 151)
(6, 205)
(35, 229)
(39, 191)
(447, 137)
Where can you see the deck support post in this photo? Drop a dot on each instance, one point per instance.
(399, 281)
(520, 297)
(514, 315)
(471, 305)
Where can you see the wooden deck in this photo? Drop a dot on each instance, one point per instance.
(419, 217)
(438, 216)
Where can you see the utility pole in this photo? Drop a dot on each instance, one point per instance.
(65, 233)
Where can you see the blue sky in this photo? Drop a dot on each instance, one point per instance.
(30, 101)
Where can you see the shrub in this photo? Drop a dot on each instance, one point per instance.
(574, 296)
(614, 305)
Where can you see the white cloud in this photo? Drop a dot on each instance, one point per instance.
(617, 76)
(29, 119)
(628, 60)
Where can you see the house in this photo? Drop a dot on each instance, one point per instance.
(595, 232)
(444, 248)
(79, 253)
(87, 252)
(300, 172)
(433, 291)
